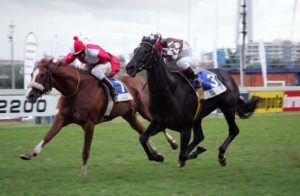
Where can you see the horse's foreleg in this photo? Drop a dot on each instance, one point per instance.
(88, 128)
(144, 112)
(137, 125)
(58, 123)
(152, 129)
(185, 136)
(233, 132)
(198, 137)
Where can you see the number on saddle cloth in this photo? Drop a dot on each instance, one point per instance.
(121, 89)
(211, 85)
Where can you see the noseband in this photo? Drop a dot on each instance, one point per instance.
(41, 87)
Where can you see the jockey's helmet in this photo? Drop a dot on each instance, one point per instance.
(78, 45)
(156, 37)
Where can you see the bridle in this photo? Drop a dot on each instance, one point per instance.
(147, 66)
(49, 78)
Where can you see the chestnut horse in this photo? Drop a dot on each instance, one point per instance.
(84, 102)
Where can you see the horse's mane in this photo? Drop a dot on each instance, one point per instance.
(47, 61)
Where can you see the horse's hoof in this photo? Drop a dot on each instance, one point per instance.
(158, 158)
(83, 171)
(180, 164)
(26, 156)
(174, 145)
(200, 149)
(223, 162)
(194, 155)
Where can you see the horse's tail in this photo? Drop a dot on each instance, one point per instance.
(246, 109)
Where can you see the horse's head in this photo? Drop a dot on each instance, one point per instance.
(146, 55)
(41, 80)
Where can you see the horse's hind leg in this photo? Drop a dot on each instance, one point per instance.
(137, 125)
(185, 136)
(88, 128)
(198, 137)
(233, 132)
(170, 139)
(58, 122)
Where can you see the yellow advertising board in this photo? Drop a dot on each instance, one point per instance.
(272, 101)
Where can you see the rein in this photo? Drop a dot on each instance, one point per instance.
(137, 98)
(78, 81)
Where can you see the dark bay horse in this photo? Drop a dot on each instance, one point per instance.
(84, 102)
(173, 104)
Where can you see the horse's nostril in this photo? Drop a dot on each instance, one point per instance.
(30, 96)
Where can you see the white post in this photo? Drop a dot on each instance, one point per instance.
(262, 58)
(11, 39)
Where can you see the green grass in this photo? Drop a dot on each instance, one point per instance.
(263, 160)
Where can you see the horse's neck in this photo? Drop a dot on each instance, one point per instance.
(65, 79)
(160, 79)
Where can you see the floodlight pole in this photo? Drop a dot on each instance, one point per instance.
(11, 40)
(242, 58)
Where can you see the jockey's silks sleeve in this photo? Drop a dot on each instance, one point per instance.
(69, 58)
(115, 66)
(105, 57)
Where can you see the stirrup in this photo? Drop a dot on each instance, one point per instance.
(197, 83)
(114, 95)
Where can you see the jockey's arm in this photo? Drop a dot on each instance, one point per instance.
(69, 58)
(115, 64)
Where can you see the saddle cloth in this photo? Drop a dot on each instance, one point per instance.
(211, 85)
(123, 95)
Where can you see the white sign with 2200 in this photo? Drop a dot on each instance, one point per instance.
(15, 106)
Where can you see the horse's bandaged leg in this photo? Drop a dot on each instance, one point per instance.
(38, 148)
(151, 146)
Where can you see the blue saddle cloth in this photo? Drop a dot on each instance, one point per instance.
(211, 85)
(123, 93)
(119, 86)
(209, 80)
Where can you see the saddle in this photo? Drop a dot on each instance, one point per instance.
(123, 95)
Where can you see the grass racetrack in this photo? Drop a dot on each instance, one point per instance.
(264, 159)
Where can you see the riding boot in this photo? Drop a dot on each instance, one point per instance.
(194, 79)
(112, 90)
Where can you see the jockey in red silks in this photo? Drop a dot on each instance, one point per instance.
(102, 64)
(178, 55)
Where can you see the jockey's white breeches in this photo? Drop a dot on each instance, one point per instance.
(101, 71)
(184, 60)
